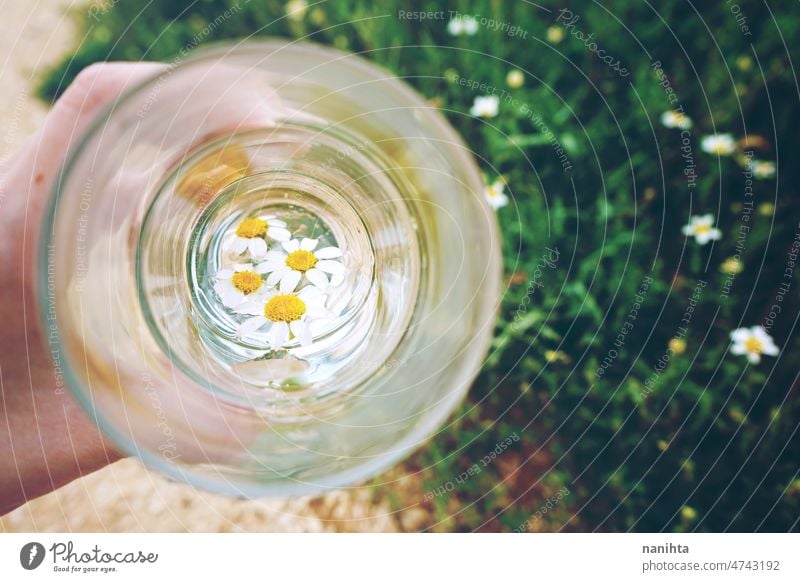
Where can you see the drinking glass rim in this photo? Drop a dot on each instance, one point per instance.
(346, 479)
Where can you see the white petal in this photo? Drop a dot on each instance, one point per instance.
(738, 349)
(275, 277)
(328, 253)
(257, 247)
(251, 307)
(309, 244)
(275, 256)
(224, 274)
(239, 245)
(760, 333)
(278, 334)
(231, 297)
(332, 267)
(220, 287)
(253, 324)
(317, 277)
(754, 358)
(279, 234)
(498, 201)
(291, 246)
(301, 332)
(309, 293)
(271, 266)
(740, 335)
(242, 267)
(290, 280)
(317, 311)
(337, 280)
(272, 221)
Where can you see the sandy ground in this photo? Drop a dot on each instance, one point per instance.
(125, 496)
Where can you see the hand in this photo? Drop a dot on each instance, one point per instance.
(46, 438)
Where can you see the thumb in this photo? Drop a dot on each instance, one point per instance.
(32, 173)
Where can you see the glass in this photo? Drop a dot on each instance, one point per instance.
(220, 378)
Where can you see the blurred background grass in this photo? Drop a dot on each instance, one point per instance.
(714, 445)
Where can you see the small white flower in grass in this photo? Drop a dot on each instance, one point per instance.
(296, 9)
(515, 78)
(286, 269)
(676, 119)
(284, 315)
(702, 229)
(250, 233)
(495, 194)
(237, 284)
(485, 106)
(470, 25)
(753, 342)
(721, 144)
(462, 25)
(763, 170)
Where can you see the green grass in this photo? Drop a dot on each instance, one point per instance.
(714, 446)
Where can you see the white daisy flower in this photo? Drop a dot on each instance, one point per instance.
(721, 144)
(237, 284)
(763, 170)
(300, 258)
(286, 315)
(485, 106)
(470, 25)
(495, 194)
(753, 342)
(462, 25)
(702, 229)
(250, 233)
(676, 119)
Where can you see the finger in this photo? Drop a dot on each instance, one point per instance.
(32, 173)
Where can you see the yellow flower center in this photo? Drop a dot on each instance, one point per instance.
(301, 261)
(246, 281)
(753, 345)
(252, 227)
(701, 228)
(285, 308)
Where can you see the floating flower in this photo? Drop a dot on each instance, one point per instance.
(763, 170)
(676, 119)
(237, 284)
(250, 233)
(286, 269)
(462, 25)
(515, 78)
(495, 194)
(485, 106)
(285, 315)
(702, 229)
(721, 144)
(753, 342)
